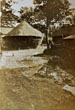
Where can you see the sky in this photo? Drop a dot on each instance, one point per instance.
(72, 3)
(28, 3)
(21, 3)
(17, 4)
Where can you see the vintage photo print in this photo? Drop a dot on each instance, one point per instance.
(37, 54)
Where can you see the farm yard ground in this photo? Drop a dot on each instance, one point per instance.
(31, 82)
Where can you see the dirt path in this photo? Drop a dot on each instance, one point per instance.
(18, 92)
(22, 89)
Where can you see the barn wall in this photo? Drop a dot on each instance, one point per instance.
(19, 42)
(64, 31)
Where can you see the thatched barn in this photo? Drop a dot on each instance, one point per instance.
(21, 37)
(68, 52)
(4, 31)
(69, 42)
(63, 32)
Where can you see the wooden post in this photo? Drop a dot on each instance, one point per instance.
(47, 40)
(0, 45)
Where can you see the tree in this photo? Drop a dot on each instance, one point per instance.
(52, 9)
(8, 19)
(11, 16)
(26, 14)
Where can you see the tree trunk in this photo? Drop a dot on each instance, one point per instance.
(47, 41)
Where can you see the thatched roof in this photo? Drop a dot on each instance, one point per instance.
(5, 30)
(64, 31)
(24, 29)
(70, 37)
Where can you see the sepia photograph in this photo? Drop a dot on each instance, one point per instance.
(37, 54)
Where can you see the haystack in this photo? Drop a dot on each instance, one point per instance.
(24, 29)
(22, 37)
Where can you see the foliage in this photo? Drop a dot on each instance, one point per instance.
(8, 19)
(26, 13)
(53, 9)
